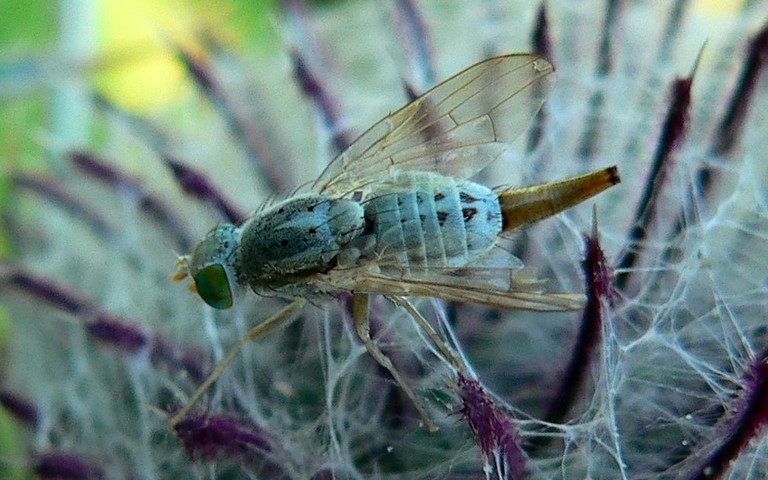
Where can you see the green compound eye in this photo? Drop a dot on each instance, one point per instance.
(213, 286)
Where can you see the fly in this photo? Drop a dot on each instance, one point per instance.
(395, 215)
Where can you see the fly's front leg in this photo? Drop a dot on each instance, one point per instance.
(363, 329)
(281, 318)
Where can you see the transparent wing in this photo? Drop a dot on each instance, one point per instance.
(456, 128)
(496, 279)
(467, 289)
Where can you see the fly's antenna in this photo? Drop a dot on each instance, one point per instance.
(182, 268)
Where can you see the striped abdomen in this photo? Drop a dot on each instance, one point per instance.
(431, 220)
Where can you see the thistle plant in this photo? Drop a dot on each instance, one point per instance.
(663, 374)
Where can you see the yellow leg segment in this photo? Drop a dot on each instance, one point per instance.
(281, 318)
(363, 329)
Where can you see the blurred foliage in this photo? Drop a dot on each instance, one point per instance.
(27, 24)
(131, 63)
(138, 39)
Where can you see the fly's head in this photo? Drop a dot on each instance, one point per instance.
(211, 266)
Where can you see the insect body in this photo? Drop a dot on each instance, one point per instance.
(431, 221)
(394, 215)
(294, 240)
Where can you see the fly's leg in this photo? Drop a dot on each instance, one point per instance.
(279, 319)
(431, 333)
(363, 329)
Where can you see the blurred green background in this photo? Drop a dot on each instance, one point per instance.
(53, 54)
